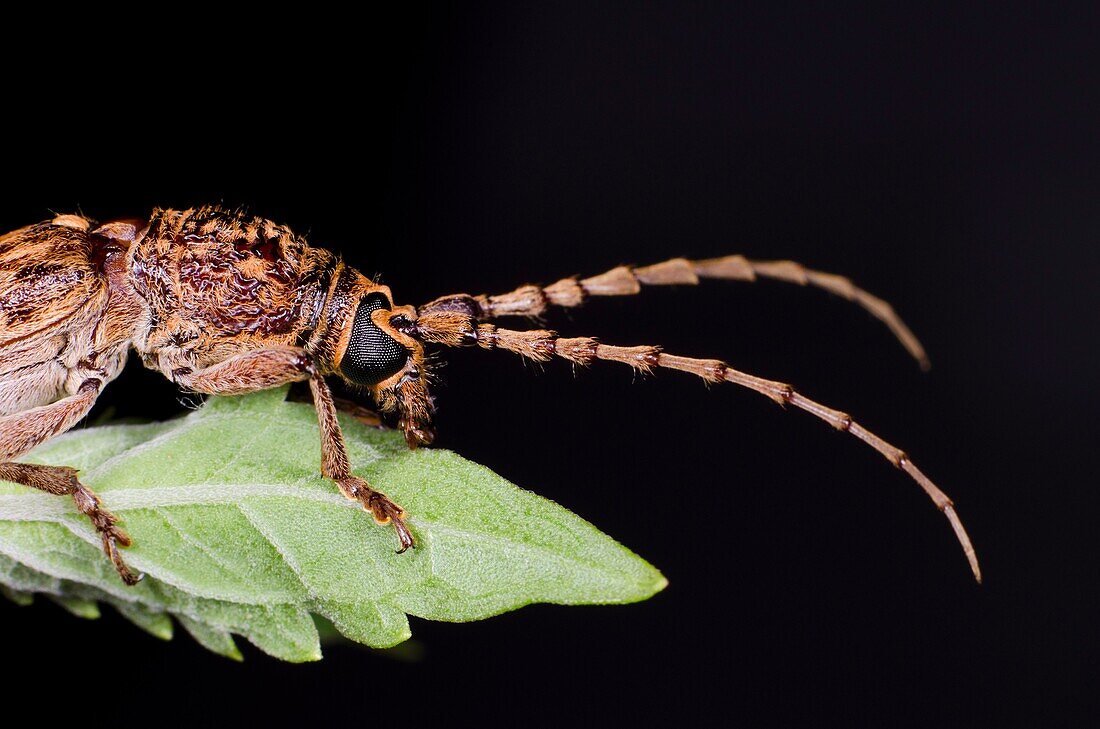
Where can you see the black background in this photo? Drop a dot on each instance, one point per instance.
(946, 161)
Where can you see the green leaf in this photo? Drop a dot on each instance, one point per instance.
(238, 534)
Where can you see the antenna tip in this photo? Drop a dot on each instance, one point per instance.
(964, 540)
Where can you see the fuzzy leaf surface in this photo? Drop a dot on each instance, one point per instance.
(238, 534)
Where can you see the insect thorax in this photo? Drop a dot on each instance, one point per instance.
(220, 282)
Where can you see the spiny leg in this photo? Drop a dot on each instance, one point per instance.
(541, 345)
(61, 481)
(363, 414)
(274, 366)
(533, 300)
(21, 432)
(360, 412)
(258, 369)
(335, 465)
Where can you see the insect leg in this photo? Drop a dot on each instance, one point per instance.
(532, 301)
(363, 414)
(335, 465)
(541, 345)
(21, 432)
(264, 368)
(258, 369)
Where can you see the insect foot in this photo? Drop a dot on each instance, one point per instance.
(62, 480)
(106, 524)
(381, 508)
(225, 303)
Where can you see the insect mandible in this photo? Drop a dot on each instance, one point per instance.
(224, 303)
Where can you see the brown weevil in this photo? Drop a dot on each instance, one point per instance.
(225, 303)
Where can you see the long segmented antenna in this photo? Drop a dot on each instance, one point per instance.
(453, 329)
(532, 300)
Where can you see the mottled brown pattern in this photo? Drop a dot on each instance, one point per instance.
(240, 281)
(220, 302)
(46, 275)
(226, 303)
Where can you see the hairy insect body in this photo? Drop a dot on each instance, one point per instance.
(53, 297)
(219, 302)
(216, 285)
(192, 289)
(225, 303)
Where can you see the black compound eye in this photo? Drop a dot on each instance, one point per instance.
(372, 355)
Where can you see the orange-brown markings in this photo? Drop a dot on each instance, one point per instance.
(334, 465)
(223, 302)
(449, 328)
(220, 302)
(45, 278)
(24, 430)
(62, 481)
(532, 301)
